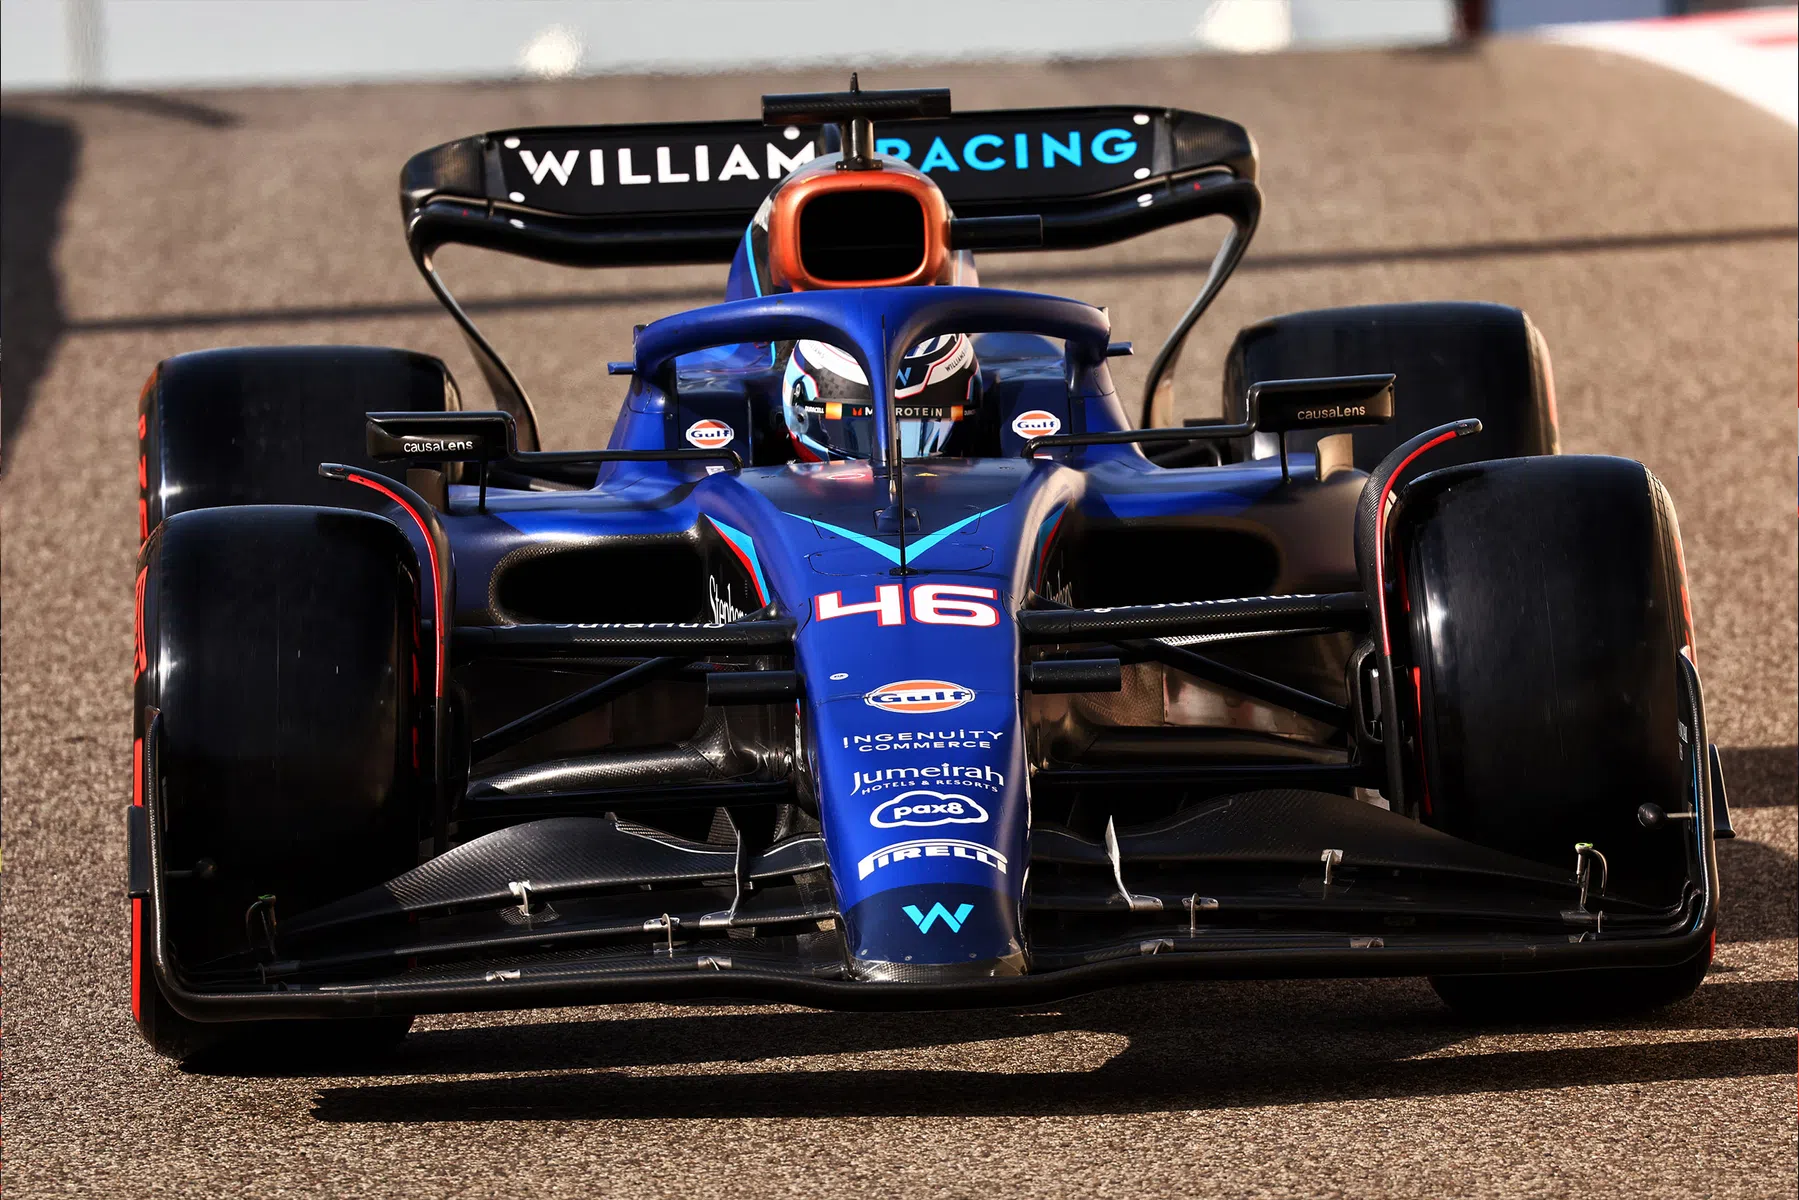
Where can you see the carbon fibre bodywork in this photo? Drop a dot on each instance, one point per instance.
(692, 718)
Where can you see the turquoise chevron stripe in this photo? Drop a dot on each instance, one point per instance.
(914, 548)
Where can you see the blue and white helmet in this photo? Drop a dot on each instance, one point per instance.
(830, 408)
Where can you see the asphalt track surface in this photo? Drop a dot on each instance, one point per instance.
(1645, 222)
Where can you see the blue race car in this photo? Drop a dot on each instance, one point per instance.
(881, 660)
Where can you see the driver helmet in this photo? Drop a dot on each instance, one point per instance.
(830, 408)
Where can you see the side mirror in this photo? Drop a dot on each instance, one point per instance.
(1281, 406)
(478, 437)
(1337, 402)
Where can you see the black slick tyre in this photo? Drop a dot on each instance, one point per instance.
(1453, 360)
(280, 647)
(251, 424)
(1537, 638)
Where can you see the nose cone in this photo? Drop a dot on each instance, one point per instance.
(926, 819)
(920, 774)
(935, 933)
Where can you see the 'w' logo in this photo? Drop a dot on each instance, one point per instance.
(925, 920)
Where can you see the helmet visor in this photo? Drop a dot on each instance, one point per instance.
(829, 406)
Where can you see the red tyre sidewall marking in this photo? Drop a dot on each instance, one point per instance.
(137, 905)
(1418, 707)
(441, 619)
(1380, 541)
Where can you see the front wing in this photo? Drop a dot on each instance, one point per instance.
(583, 910)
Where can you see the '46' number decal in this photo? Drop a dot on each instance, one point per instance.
(931, 604)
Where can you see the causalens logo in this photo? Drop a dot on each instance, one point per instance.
(924, 920)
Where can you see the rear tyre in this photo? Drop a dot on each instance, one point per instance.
(281, 646)
(1546, 613)
(250, 424)
(1452, 359)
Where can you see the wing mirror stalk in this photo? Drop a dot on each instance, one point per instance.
(492, 437)
(1277, 406)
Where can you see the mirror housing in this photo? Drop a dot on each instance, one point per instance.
(450, 437)
(1276, 406)
(1334, 402)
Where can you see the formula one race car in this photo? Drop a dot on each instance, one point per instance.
(881, 661)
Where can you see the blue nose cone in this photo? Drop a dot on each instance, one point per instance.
(935, 933)
(919, 770)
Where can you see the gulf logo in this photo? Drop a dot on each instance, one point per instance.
(919, 696)
(710, 434)
(1036, 423)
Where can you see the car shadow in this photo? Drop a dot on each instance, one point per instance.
(166, 106)
(1188, 1047)
(36, 171)
(1758, 900)
(1761, 776)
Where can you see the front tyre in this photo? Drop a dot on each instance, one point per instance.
(281, 646)
(1539, 627)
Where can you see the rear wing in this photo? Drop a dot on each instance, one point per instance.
(618, 195)
(639, 195)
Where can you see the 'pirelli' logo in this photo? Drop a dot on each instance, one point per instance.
(930, 848)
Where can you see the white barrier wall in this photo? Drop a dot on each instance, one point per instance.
(1752, 54)
(172, 43)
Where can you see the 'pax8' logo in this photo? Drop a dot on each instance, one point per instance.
(929, 603)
